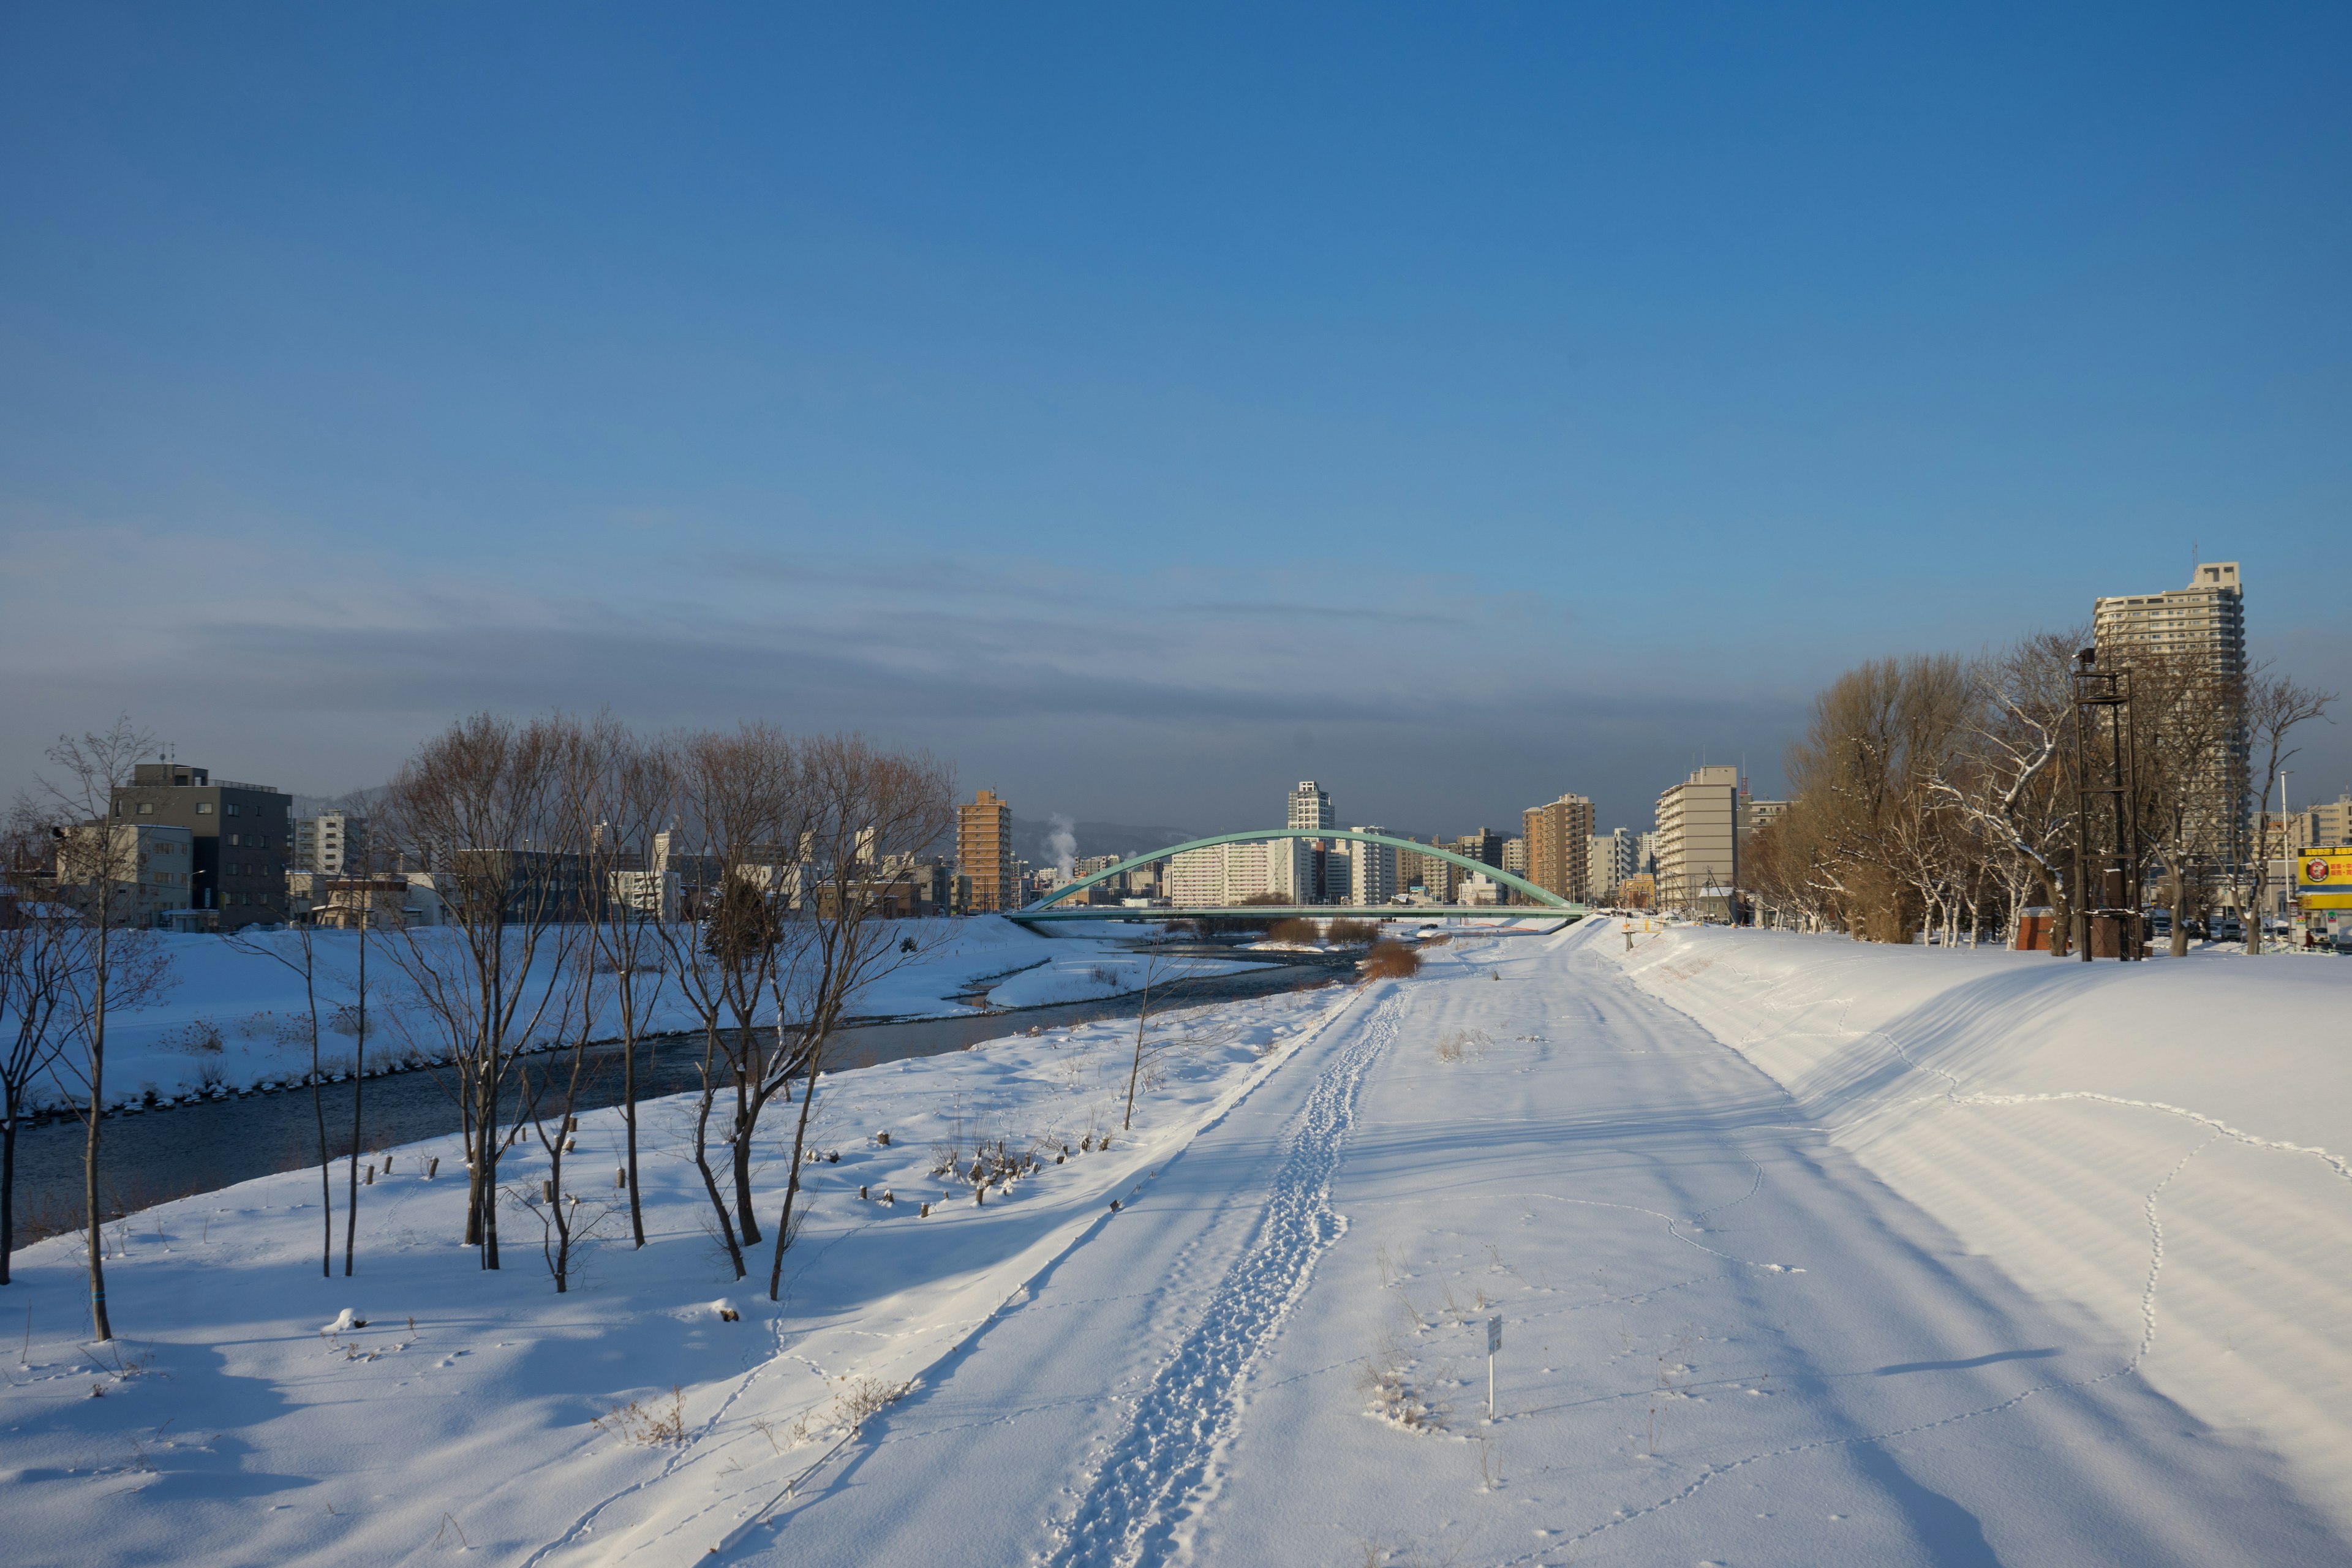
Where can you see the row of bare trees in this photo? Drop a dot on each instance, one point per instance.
(1937, 793)
(593, 877)
(589, 875)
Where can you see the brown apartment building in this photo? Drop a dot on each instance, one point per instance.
(1556, 841)
(984, 853)
(240, 834)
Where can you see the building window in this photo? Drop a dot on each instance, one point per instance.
(146, 808)
(231, 809)
(204, 809)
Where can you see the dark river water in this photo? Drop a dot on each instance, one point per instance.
(153, 1156)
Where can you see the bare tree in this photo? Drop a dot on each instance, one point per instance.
(2012, 781)
(552, 1094)
(625, 790)
(482, 802)
(1165, 971)
(2276, 707)
(303, 961)
(742, 802)
(867, 814)
(45, 955)
(100, 863)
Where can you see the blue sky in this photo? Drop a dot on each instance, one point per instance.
(1147, 408)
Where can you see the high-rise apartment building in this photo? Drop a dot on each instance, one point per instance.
(1754, 814)
(334, 843)
(1608, 864)
(2205, 623)
(2331, 822)
(984, 854)
(1698, 842)
(1372, 871)
(1557, 838)
(1310, 806)
(1485, 844)
(239, 833)
(1515, 857)
(1224, 875)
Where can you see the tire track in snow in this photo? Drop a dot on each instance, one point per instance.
(1187, 1415)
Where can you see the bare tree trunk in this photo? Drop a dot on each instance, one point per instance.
(359, 1088)
(702, 1160)
(793, 1182)
(101, 1326)
(8, 1182)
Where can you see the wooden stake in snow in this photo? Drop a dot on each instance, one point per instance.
(1494, 1344)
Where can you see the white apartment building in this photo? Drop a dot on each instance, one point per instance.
(1515, 857)
(1608, 861)
(1698, 841)
(1221, 875)
(1310, 807)
(334, 843)
(1372, 871)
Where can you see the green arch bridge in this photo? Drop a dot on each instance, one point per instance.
(1547, 904)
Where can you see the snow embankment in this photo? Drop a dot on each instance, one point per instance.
(234, 1014)
(1089, 976)
(425, 1406)
(2162, 1145)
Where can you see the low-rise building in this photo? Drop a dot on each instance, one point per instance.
(141, 870)
(240, 833)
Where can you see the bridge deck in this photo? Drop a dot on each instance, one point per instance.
(1301, 911)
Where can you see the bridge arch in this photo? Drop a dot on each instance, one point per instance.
(1545, 899)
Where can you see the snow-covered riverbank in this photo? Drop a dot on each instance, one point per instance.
(1778, 1282)
(234, 1017)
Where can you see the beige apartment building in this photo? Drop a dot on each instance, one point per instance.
(1558, 837)
(2207, 621)
(1698, 842)
(984, 853)
(145, 869)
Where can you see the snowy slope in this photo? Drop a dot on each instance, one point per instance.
(1726, 1338)
(2161, 1145)
(252, 1006)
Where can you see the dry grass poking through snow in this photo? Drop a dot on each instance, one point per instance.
(1391, 960)
(648, 1428)
(867, 1397)
(1457, 1045)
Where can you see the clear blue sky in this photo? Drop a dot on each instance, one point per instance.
(1146, 408)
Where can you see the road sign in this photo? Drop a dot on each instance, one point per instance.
(2323, 878)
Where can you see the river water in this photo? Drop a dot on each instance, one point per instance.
(159, 1154)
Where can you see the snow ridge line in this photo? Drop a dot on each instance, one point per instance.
(1187, 1416)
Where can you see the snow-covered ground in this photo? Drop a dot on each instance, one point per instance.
(1777, 1284)
(232, 1017)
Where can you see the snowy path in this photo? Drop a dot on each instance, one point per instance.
(1726, 1342)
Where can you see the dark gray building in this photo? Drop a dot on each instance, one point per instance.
(241, 833)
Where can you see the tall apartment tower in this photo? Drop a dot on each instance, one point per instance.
(1485, 844)
(238, 834)
(1310, 806)
(984, 853)
(1557, 835)
(2206, 621)
(1608, 864)
(1372, 871)
(1698, 842)
(332, 843)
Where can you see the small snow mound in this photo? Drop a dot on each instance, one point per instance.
(725, 1310)
(343, 1323)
